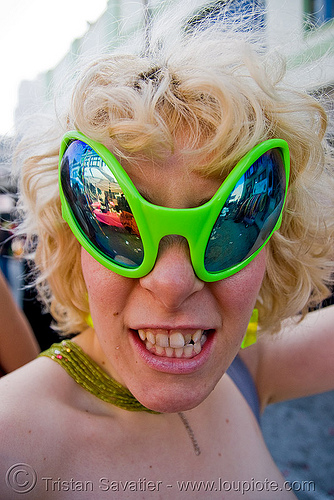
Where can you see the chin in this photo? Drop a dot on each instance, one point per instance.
(173, 398)
(171, 406)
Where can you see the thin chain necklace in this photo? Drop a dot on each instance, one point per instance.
(93, 379)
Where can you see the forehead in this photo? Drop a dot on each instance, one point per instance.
(171, 182)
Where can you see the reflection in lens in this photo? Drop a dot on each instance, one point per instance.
(99, 205)
(249, 214)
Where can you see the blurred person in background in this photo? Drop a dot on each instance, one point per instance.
(18, 344)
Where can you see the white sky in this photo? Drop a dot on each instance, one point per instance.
(34, 37)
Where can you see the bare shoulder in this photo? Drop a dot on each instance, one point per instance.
(30, 385)
(38, 412)
(33, 398)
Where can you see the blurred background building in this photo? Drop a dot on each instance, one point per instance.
(302, 29)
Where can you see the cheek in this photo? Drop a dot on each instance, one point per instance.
(238, 293)
(106, 290)
(94, 274)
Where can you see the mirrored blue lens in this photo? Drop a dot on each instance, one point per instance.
(249, 214)
(100, 206)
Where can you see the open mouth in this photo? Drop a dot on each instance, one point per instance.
(174, 343)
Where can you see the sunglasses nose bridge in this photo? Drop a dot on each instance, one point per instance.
(187, 223)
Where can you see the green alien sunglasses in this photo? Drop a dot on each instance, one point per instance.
(122, 230)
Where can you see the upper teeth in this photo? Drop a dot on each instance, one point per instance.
(174, 344)
(175, 339)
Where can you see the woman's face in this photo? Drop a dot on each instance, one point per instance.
(135, 319)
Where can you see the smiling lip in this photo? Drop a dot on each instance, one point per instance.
(158, 354)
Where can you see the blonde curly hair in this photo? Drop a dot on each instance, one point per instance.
(229, 96)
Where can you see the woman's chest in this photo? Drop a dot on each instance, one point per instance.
(167, 470)
(224, 455)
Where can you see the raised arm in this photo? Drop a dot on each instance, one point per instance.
(298, 361)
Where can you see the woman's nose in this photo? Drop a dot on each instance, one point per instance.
(172, 280)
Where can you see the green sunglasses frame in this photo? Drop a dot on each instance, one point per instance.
(154, 222)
